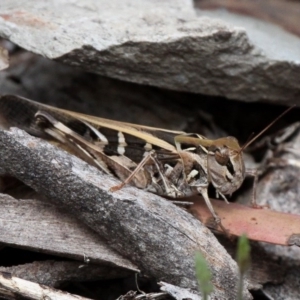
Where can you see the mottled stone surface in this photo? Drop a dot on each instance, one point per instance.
(160, 43)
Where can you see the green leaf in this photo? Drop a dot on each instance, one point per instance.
(243, 254)
(243, 260)
(203, 274)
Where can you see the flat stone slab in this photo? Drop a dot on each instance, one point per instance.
(168, 44)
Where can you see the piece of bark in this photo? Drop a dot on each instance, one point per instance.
(45, 227)
(54, 273)
(160, 238)
(30, 290)
(177, 292)
(133, 295)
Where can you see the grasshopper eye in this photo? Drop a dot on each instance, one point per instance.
(221, 159)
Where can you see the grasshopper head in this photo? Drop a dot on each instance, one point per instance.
(225, 165)
(219, 161)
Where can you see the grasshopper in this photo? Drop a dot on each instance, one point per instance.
(165, 162)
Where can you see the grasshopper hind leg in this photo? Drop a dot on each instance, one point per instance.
(217, 219)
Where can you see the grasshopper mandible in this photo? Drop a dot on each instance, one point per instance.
(169, 163)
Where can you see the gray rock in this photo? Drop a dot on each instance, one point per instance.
(159, 43)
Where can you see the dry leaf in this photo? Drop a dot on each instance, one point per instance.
(264, 225)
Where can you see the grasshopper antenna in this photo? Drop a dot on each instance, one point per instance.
(265, 129)
(249, 138)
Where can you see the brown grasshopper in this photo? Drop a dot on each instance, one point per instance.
(169, 163)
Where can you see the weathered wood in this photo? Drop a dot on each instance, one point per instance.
(160, 238)
(45, 227)
(177, 292)
(30, 290)
(54, 273)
